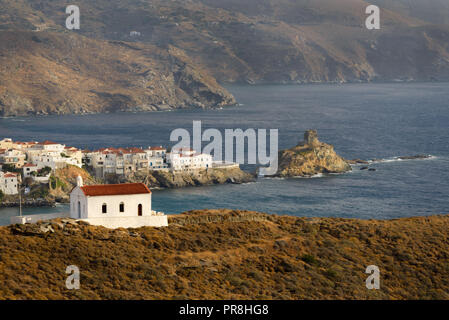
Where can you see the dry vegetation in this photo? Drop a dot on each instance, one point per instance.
(58, 73)
(187, 48)
(230, 255)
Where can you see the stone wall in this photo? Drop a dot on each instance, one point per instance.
(129, 222)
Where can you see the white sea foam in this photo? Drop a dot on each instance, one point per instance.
(318, 175)
(247, 183)
(395, 159)
(272, 178)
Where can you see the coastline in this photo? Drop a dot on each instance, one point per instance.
(158, 180)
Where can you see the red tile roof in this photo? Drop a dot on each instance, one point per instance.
(10, 175)
(156, 148)
(115, 189)
(30, 165)
(47, 143)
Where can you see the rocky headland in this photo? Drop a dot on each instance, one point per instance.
(169, 179)
(228, 254)
(311, 157)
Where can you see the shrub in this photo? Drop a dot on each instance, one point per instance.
(309, 259)
(43, 172)
(331, 274)
(256, 275)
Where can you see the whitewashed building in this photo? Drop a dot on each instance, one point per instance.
(186, 159)
(115, 205)
(6, 143)
(124, 161)
(12, 157)
(156, 158)
(9, 183)
(28, 170)
(54, 161)
(53, 155)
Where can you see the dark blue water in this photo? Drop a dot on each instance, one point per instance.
(361, 120)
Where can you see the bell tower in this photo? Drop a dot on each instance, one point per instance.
(79, 181)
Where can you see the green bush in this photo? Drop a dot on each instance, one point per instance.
(331, 274)
(10, 168)
(44, 171)
(309, 259)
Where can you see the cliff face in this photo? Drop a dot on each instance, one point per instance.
(310, 157)
(167, 179)
(228, 254)
(63, 181)
(60, 73)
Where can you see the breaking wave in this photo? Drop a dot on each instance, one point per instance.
(403, 158)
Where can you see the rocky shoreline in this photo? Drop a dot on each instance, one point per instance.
(65, 180)
(170, 180)
(13, 202)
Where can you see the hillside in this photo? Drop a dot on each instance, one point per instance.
(185, 46)
(58, 73)
(224, 254)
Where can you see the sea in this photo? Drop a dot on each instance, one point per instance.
(381, 121)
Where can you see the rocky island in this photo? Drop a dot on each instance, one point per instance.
(228, 254)
(311, 157)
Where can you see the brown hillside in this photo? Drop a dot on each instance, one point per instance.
(224, 254)
(269, 40)
(51, 70)
(48, 72)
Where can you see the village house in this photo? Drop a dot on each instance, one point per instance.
(9, 184)
(23, 146)
(53, 155)
(105, 161)
(12, 157)
(156, 158)
(54, 161)
(74, 153)
(32, 171)
(186, 159)
(115, 205)
(124, 161)
(28, 170)
(6, 143)
(135, 159)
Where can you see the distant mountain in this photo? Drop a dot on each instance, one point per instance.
(432, 11)
(58, 73)
(254, 41)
